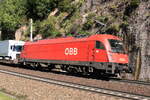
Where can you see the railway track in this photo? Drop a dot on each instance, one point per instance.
(115, 79)
(82, 87)
(131, 81)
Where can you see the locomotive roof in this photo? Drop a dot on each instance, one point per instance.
(73, 39)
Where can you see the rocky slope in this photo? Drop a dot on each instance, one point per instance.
(140, 29)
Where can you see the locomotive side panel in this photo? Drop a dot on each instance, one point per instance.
(70, 51)
(77, 51)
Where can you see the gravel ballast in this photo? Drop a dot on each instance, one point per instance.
(119, 86)
(35, 90)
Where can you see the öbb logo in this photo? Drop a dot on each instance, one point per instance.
(71, 51)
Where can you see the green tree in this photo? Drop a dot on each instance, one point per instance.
(66, 6)
(14, 13)
(47, 27)
(40, 9)
(11, 16)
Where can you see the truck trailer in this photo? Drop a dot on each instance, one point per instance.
(10, 50)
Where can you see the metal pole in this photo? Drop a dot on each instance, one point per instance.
(0, 35)
(31, 32)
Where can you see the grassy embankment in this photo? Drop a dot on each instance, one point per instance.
(4, 96)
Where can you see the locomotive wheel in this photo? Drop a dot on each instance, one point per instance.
(98, 73)
(37, 66)
(72, 69)
(85, 71)
(51, 66)
(122, 75)
(63, 67)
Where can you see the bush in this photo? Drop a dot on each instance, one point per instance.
(131, 7)
(66, 6)
(134, 3)
(102, 19)
(113, 29)
(84, 32)
(40, 9)
(47, 28)
(88, 25)
(12, 16)
(91, 16)
(124, 25)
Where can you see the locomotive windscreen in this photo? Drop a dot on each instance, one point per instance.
(116, 46)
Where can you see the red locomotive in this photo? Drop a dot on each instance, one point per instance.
(97, 53)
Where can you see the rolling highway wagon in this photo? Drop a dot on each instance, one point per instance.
(10, 50)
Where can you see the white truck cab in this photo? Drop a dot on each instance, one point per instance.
(10, 49)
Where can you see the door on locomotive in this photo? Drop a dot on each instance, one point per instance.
(100, 54)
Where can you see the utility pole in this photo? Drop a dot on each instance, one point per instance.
(31, 32)
(0, 34)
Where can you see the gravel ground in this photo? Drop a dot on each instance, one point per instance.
(35, 90)
(126, 87)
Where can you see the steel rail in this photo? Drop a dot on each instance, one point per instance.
(131, 81)
(127, 81)
(79, 86)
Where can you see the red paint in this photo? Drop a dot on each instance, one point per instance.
(74, 49)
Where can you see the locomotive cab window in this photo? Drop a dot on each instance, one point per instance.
(116, 46)
(99, 45)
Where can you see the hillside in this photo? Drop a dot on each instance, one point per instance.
(129, 19)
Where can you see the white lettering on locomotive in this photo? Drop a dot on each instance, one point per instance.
(71, 51)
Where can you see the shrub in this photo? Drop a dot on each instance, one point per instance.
(124, 25)
(102, 19)
(47, 28)
(131, 7)
(113, 29)
(91, 15)
(134, 3)
(84, 32)
(88, 25)
(66, 6)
